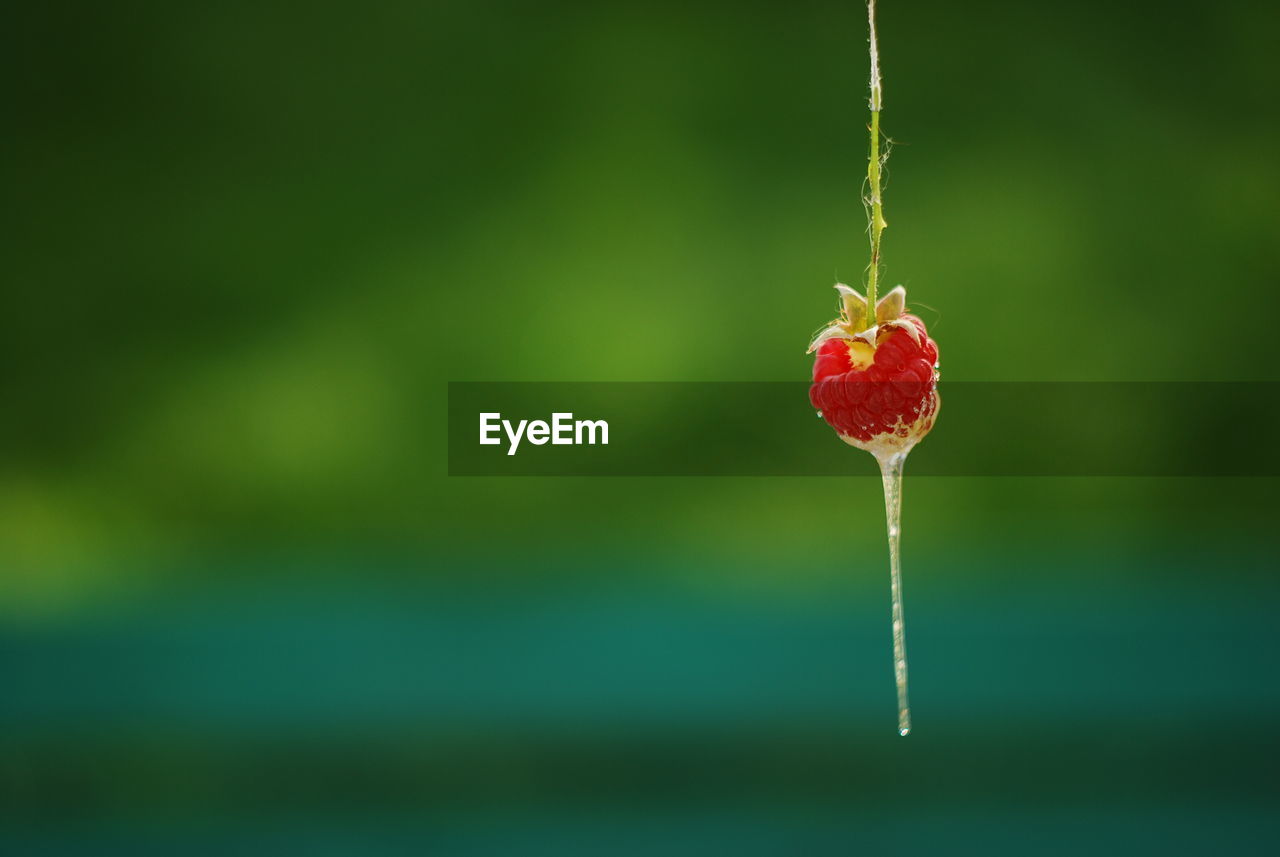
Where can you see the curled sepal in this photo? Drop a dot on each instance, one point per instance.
(868, 336)
(899, 324)
(835, 331)
(891, 306)
(853, 312)
(854, 306)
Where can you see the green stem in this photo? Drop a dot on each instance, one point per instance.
(875, 204)
(877, 217)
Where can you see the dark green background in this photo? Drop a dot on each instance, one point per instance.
(243, 609)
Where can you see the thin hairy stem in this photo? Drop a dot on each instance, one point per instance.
(875, 205)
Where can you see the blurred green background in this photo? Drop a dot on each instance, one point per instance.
(244, 610)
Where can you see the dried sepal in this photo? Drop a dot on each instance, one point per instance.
(899, 324)
(853, 304)
(835, 331)
(891, 306)
(868, 336)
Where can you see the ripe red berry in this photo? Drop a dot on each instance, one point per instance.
(877, 387)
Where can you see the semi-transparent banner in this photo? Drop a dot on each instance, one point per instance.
(770, 429)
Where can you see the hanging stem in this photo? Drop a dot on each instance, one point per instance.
(875, 212)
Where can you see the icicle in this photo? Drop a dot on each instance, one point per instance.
(891, 474)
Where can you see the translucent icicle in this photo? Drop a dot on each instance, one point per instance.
(891, 475)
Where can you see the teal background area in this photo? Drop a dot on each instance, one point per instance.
(244, 609)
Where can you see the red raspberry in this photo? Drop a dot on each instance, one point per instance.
(876, 387)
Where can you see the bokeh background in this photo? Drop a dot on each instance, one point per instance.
(246, 245)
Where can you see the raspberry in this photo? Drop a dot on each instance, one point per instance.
(878, 387)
